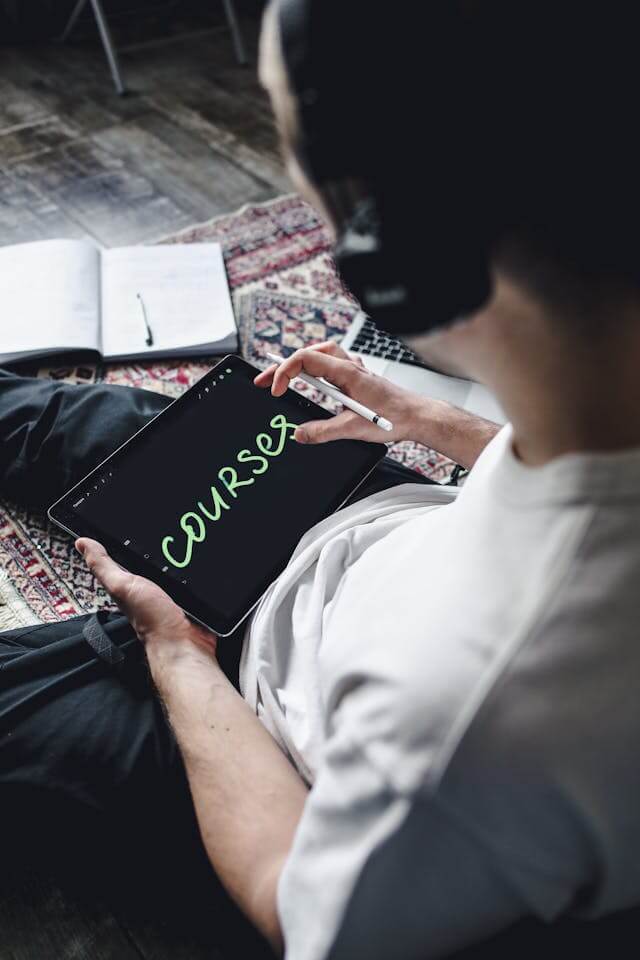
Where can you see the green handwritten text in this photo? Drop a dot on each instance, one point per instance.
(193, 523)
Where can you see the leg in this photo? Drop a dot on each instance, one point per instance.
(52, 433)
(80, 745)
(91, 779)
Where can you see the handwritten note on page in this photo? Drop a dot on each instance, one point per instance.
(183, 290)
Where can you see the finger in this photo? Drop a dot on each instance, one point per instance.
(344, 426)
(343, 373)
(264, 378)
(332, 348)
(116, 581)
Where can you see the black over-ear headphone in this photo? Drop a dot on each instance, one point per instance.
(407, 273)
(477, 130)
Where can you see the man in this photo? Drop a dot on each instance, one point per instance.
(440, 715)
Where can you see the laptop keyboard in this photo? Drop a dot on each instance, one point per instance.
(376, 343)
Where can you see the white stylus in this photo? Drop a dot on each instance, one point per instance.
(338, 395)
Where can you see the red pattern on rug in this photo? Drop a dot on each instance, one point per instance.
(286, 295)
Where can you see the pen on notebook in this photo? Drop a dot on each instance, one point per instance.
(149, 340)
(338, 395)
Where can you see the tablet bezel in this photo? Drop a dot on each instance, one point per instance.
(63, 515)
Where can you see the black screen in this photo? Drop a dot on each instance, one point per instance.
(215, 494)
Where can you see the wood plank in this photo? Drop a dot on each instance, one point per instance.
(39, 919)
(26, 215)
(62, 169)
(203, 153)
(223, 94)
(74, 83)
(110, 199)
(247, 117)
(18, 107)
(50, 77)
(134, 182)
(30, 139)
(255, 162)
(201, 180)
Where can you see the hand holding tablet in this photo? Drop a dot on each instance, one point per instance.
(211, 497)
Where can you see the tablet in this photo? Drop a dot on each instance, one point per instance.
(211, 497)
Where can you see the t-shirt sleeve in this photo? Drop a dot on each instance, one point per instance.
(375, 874)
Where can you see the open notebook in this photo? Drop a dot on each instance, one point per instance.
(59, 296)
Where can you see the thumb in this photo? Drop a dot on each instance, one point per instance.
(339, 427)
(112, 577)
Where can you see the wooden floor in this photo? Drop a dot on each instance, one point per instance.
(193, 139)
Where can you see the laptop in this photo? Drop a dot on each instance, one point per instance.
(388, 357)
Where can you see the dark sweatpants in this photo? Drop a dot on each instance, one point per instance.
(89, 771)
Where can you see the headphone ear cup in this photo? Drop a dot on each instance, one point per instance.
(367, 270)
(405, 290)
(358, 258)
(358, 251)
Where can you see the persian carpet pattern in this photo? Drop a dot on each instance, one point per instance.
(286, 295)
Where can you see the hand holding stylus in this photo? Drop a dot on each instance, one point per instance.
(374, 394)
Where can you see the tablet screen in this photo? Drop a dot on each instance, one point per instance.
(211, 498)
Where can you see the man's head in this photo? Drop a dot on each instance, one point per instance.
(453, 143)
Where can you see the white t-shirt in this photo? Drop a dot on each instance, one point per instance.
(458, 677)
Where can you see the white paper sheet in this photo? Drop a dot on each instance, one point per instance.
(185, 294)
(49, 297)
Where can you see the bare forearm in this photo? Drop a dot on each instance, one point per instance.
(247, 796)
(459, 435)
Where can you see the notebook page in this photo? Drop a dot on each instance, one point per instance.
(49, 293)
(184, 292)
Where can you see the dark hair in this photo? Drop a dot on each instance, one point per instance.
(479, 126)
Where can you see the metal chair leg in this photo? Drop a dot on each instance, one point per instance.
(110, 50)
(77, 10)
(236, 33)
(105, 36)
(107, 43)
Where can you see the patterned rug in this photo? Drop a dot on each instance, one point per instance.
(286, 294)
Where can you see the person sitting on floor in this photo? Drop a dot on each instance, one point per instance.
(437, 729)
